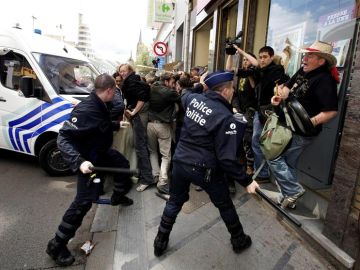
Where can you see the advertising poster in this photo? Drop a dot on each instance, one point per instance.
(286, 44)
(340, 51)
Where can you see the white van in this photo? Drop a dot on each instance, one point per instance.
(41, 80)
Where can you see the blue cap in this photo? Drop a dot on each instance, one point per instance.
(218, 77)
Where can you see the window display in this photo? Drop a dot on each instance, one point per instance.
(293, 24)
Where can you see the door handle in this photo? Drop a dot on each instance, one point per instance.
(2, 99)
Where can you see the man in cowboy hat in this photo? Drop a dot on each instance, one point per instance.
(314, 87)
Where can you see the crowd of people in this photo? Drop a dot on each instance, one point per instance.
(183, 130)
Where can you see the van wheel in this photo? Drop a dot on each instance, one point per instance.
(52, 161)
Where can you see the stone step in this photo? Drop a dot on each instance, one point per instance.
(310, 212)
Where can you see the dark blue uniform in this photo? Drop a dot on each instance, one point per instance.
(209, 140)
(88, 136)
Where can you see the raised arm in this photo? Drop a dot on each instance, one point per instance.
(229, 63)
(252, 60)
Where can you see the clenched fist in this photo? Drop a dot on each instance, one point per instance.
(252, 187)
(85, 167)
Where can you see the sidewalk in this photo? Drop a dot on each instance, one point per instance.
(199, 240)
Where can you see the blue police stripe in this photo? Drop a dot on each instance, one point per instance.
(26, 137)
(38, 121)
(34, 112)
(15, 141)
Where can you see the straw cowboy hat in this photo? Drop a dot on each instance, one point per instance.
(323, 50)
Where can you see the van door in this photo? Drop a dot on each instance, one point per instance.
(19, 116)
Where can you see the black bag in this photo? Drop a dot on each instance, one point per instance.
(300, 117)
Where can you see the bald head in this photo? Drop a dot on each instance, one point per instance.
(103, 82)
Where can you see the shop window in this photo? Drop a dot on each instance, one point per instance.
(293, 24)
(228, 25)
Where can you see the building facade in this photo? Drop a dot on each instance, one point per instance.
(330, 168)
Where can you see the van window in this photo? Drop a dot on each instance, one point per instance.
(67, 76)
(13, 67)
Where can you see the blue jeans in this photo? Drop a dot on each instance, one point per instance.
(258, 155)
(284, 167)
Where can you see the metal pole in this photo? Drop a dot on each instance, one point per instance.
(277, 207)
(33, 19)
(186, 54)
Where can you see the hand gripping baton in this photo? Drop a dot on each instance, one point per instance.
(114, 170)
(277, 207)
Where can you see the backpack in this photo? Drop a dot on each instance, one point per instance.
(274, 137)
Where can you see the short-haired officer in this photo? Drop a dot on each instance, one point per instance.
(207, 149)
(85, 139)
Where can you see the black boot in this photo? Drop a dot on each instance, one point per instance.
(117, 199)
(160, 243)
(240, 243)
(239, 240)
(59, 253)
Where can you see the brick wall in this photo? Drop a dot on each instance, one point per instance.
(341, 224)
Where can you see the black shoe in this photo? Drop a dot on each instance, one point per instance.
(121, 200)
(164, 189)
(240, 243)
(160, 243)
(59, 253)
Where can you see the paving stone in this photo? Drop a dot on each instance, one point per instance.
(102, 256)
(105, 219)
(200, 239)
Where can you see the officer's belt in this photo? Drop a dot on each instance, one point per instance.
(209, 147)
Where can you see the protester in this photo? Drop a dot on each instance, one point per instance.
(116, 105)
(206, 150)
(244, 102)
(84, 142)
(266, 76)
(137, 95)
(314, 87)
(161, 111)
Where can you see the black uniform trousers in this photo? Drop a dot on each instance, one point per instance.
(217, 189)
(88, 192)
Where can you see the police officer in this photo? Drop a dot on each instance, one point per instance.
(207, 148)
(85, 139)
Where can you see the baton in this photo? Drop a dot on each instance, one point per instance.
(277, 207)
(114, 170)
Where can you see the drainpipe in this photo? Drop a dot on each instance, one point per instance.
(187, 38)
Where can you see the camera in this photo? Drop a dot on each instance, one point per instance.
(229, 48)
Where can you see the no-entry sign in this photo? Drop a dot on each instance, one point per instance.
(160, 48)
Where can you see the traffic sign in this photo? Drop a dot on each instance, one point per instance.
(160, 48)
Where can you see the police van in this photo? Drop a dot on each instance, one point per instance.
(41, 79)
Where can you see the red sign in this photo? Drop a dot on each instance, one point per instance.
(160, 48)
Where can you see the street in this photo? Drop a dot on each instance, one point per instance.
(31, 207)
